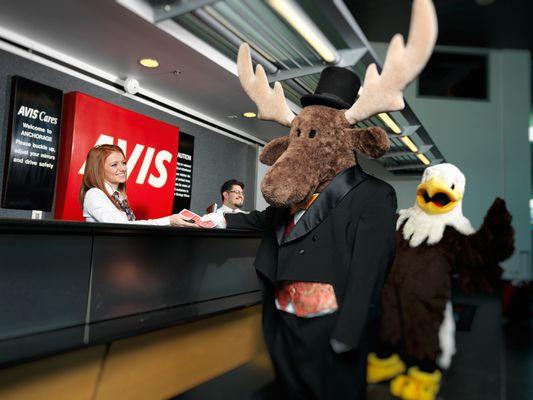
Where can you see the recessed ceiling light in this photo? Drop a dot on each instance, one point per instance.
(149, 62)
(423, 158)
(409, 143)
(390, 123)
(249, 114)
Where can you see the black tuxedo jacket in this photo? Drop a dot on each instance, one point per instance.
(346, 238)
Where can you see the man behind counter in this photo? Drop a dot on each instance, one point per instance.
(232, 194)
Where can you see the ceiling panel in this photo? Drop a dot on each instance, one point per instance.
(108, 36)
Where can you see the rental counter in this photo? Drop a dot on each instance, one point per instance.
(68, 285)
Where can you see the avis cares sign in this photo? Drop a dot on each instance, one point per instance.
(150, 147)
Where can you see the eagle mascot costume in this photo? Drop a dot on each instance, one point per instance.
(433, 241)
(328, 234)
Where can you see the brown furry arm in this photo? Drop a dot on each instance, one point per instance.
(497, 233)
(480, 254)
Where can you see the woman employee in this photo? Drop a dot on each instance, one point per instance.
(103, 190)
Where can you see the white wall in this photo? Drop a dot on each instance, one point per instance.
(488, 141)
(260, 202)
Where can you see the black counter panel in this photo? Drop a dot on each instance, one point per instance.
(43, 282)
(134, 275)
(66, 285)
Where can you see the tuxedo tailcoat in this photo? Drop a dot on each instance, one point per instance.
(346, 239)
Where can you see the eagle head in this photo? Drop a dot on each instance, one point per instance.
(441, 189)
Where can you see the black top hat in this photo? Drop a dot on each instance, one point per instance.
(337, 88)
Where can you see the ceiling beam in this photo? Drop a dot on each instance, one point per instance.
(406, 131)
(295, 73)
(413, 166)
(421, 149)
(409, 130)
(233, 39)
(348, 58)
(168, 11)
(351, 57)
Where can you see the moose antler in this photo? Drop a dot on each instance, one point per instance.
(271, 104)
(402, 65)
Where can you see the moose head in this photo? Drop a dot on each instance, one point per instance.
(322, 142)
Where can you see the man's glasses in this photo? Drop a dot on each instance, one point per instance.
(237, 192)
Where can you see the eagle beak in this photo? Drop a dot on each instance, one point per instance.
(436, 197)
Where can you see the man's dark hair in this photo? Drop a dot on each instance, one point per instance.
(226, 186)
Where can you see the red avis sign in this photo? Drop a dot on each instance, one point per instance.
(150, 146)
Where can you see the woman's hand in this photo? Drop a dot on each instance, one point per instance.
(178, 220)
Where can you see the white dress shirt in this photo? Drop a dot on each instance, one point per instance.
(228, 210)
(97, 207)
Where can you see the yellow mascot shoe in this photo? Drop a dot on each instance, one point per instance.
(411, 389)
(383, 369)
(398, 384)
(420, 385)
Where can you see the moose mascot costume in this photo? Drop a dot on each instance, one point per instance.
(329, 232)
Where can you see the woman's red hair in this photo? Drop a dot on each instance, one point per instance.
(94, 175)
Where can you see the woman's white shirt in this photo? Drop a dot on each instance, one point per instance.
(97, 207)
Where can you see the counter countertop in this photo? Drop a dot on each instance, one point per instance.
(19, 225)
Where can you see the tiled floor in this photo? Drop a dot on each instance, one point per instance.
(494, 361)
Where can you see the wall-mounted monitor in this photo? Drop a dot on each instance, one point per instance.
(455, 75)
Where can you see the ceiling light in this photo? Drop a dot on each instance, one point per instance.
(149, 62)
(249, 114)
(390, 123)
(301, 23)
(409, 143)
(423, 158)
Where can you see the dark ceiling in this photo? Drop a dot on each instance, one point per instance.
(499, 24)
